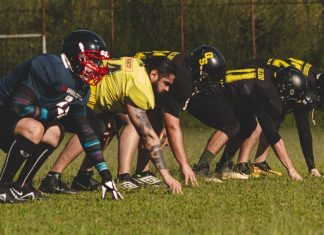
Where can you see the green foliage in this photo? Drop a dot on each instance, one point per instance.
(269, 205)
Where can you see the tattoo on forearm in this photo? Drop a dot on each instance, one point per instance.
(143, 120)
(157, 156)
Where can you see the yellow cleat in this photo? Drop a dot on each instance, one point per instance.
(263, 168)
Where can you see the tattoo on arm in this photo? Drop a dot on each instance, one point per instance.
(157, 157)
(142, 120)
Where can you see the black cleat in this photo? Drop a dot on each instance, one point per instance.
(126, 182)
(6, 196)
(84, 182)
(52, 183)
(27, 192)
(201, 169)
(244, 168)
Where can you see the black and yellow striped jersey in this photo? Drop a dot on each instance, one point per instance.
(247, 81)
(275, 64)
(144, 55)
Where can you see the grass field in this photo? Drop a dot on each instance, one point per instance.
(271, 205)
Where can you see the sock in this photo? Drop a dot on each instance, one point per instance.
(225, 158)
(206, 157)
(34, 163)
(19, 151)
(124, 176)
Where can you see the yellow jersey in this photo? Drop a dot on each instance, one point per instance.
(127, 78)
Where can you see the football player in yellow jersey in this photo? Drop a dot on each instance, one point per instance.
(129, 88)
(196, 89)
(301, 115)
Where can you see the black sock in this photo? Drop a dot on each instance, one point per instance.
(225, 158)
(34, 163)
(19, 151)
(206, 157)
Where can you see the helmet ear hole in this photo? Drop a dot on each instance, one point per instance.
(207, 64)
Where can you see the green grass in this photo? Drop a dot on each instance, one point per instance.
(269, 205)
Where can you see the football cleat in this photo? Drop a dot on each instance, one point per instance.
(227, 171)
(126, 182)
(212, 179)
(84, 182)
(201, 169)
(27, 192)
(264, 168)
(52, 183)
(6, 196)
(146, 178)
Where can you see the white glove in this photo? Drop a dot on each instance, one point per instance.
(61, 109)
(110, 187)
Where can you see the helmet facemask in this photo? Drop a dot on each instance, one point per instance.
(92, 68)
(319, 101)
(294, 88)
(85, 51)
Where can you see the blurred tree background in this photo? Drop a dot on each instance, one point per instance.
(287, 28)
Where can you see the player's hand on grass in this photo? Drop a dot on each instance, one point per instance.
(314, 172)
(109, 186)
(294, 175)
(189, 175)
(174, 185)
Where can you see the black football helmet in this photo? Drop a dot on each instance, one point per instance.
(85, 51)
(319, 103)
(206, 64)
(294, 88)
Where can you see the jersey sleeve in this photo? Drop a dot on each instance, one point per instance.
(305, 137)
(170, 105)
(140, 90)
(86, 134)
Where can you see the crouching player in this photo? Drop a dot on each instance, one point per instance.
(36, 94)
(300, 111)
(129, 88)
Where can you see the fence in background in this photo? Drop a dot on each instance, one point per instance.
(240, 29)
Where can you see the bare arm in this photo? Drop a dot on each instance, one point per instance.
(150, 140)
(152, 144)
(175, 138)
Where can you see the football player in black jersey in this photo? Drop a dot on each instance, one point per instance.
(197, 89)
(260, 94)
(34, 96)
(301, 115)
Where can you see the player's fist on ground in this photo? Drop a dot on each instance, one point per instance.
(294, 175)
(109, 186)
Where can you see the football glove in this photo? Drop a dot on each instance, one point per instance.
(110, 187)
(60, 110)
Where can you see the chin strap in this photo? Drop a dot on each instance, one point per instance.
(66, 62)
(313, 117)
(196, 91)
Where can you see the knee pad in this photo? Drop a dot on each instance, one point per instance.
(61, 129)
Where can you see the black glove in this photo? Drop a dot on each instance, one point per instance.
(110, 187)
